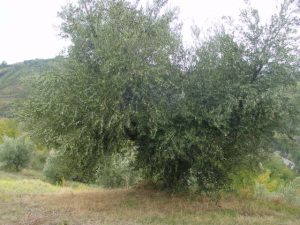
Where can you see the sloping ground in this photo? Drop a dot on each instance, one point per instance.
(11, 77)
(28, 201)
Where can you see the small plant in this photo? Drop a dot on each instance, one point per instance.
(118, 170)
(61, 167)
(275, 175)
(56, 169)
(243, 182)
(288, 192)
(15, 153)
(291, 191)
(38, 160)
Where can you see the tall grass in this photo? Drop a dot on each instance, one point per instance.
(289, 192)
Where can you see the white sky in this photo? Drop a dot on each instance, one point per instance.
(29, 28)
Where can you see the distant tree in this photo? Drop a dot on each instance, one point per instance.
(15, 153)
(126, 82)
(3, 64)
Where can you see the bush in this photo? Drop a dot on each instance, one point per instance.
(118, 170)
(279, 170)
(15, 153)
(61, 166)
(291, 191)
(38, 160)
(275, 175)
(56, 169)
(278, 182)
(288, 192)
(243, 182)
(8, 128)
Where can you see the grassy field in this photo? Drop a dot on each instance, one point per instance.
(27, 200)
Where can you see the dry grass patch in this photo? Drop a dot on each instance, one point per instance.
(28, 201)
(139, 206)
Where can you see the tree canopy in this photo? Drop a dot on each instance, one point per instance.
(193, 115)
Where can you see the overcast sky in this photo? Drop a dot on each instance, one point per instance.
(29, 28)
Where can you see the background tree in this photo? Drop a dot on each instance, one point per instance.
(15, 153)
(3, 64)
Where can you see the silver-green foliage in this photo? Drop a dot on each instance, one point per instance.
(193, 115)
(56, 168)
(15, 153)
(119, 63)
(118, 169)
(62, 166)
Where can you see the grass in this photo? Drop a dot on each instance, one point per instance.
(28, 200)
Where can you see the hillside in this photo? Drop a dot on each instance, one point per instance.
(11, 77)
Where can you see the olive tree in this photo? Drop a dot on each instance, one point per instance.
(118, 65)
(127, 82)
(15, 153)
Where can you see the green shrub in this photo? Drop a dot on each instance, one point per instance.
(288, 148)
(291, 191)
(288, 192)
(118, 171)
(56, 168)
(262, 192)
(8, 128)
(243, 182)
(279, 170)
(61, 166)
(15, 153)
(276, 174)
(38, 160)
